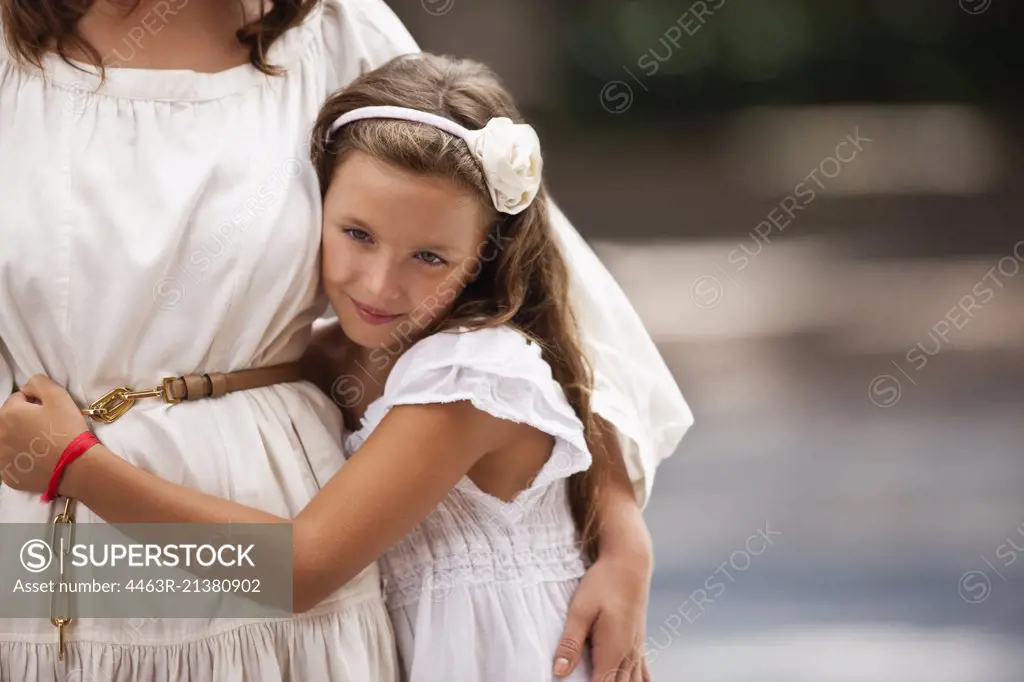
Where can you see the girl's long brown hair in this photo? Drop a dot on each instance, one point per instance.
(34, 27)
(524, 280)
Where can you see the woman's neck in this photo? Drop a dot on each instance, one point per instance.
(197, 35)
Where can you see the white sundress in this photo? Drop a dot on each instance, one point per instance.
(480, 589)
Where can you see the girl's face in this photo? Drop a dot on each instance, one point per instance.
(398, 249)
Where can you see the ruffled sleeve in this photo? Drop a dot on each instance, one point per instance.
(500, 372)
(359, 36)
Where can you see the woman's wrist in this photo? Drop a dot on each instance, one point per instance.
(75, 482)
(625, 536)
(623, 532)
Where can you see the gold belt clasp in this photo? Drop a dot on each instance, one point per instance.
(112, 405)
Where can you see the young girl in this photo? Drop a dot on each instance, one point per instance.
(475, 457)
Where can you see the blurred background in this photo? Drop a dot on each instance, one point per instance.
(816, 207)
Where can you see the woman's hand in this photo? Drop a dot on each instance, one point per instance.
(610, 608)
(36, 424)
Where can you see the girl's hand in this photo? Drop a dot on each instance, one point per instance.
(36, 425)
(610, 608)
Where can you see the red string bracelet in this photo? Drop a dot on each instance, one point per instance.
(73, 451)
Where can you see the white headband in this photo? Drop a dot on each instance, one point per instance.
(509, 153)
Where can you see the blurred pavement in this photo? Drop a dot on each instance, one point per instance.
(885, 512)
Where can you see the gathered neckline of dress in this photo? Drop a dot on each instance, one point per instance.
(176, 85)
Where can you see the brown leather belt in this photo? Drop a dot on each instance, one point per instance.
(173, 390)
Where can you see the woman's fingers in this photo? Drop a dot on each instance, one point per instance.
(628, 669)
(41, 388)
(582, 614)
(621, 673)
(16, 398)
(637, 675)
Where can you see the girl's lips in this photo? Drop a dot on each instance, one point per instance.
(372, 315)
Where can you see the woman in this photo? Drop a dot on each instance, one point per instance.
(161, 219)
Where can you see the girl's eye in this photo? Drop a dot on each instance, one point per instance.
(431, 258)
(356, 234)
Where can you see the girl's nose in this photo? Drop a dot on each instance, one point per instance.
(383, 281)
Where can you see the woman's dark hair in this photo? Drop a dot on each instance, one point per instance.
(524, 280)
(34, 27)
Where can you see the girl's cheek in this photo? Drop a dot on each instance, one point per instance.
(334, 268)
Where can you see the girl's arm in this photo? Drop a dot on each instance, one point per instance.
(399, 475)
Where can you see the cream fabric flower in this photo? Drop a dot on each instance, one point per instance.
(510, 156)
